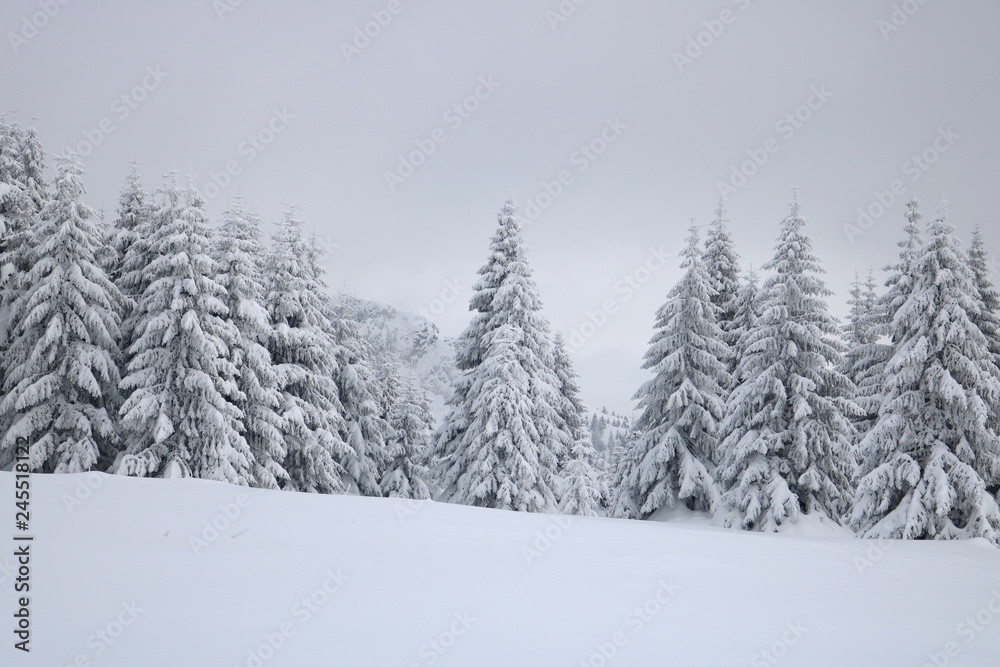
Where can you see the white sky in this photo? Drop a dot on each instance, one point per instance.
(223, 79)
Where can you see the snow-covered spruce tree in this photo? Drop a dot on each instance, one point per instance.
(902, 274)
(502, 447)
(13, 204)
(180, 419)
(18, 216)
(388, 380)
(926, 464)
(865, 363)
(624, 461)
(988, 320)
(584, 489)
(598, 429)
(508, 460)
(239, 254)
(745, 314)
(723, 266)
(61, 375)
(131, 236)
(305, 354)
(33, 169)
(865, 355)
(104, 253)
(365, 428)
(788, 433)
(859, 308)
(128, 232)
(684, 402)
(411, 427)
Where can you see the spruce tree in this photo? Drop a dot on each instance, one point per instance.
(598, 427)
(722, 264)
(131, 237)
(858, 308)
(926, 464)
(988, 320)
(305, 354)
(239, 254)
(902, 274)
(624, 458)
(684, 402)
(508, 459)
(411, 429)
(788, 431)
(365, 429)
(18, 216)
(584, 491)
(746, 312)
(15, 216)
(180, 419)
(865, 354)
(501, 457)
(865, 363)
(61, 373)
(128, 232)
(33, 169)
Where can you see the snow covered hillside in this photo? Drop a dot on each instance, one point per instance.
(159, 573)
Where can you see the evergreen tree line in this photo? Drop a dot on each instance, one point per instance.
(161, 346)
(762, 407)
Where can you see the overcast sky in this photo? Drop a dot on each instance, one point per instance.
(301, 109)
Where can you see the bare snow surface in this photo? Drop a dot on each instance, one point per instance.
(131, 572)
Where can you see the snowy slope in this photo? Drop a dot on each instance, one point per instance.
(335, 580)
